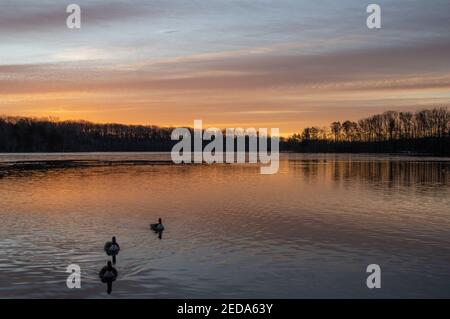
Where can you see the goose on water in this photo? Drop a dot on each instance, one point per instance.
(157, 227)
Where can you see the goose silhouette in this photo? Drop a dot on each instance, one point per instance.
(157, 227)
(107, 275)
(112, 248)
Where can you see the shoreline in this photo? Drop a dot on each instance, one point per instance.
(100, 159)
(51, 164)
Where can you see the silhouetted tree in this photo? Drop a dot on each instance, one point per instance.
(336, 128)
(425, 131)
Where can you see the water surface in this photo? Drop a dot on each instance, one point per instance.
(308, 231)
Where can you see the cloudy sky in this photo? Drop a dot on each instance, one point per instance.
(259, 63)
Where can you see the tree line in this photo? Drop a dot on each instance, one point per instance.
(23, 134)
(425, 131)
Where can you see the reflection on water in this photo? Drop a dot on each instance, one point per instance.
(308, 231)
(394, 172)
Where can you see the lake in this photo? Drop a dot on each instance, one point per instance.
(308, 231)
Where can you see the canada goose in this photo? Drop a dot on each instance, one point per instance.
(112, 248)
(157, 227)
(107, 275)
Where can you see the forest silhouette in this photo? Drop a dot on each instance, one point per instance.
(423, 132)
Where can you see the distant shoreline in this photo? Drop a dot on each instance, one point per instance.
(50, 164)
(43, 164)
(409, 154)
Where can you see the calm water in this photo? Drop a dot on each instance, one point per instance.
(308, 231)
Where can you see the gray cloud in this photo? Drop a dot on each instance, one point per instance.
(387, 59)
(425, 65)
(18, 17)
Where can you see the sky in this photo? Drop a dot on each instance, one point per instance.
(231, 63)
